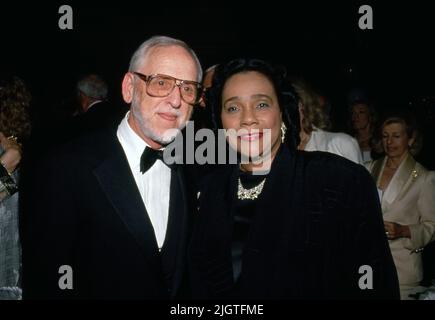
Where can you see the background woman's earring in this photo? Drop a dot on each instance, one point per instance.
(283, 131)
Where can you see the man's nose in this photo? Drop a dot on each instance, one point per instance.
(175, 97)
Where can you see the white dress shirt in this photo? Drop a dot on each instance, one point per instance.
(154, 184)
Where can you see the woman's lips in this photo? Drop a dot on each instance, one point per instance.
(251, 136)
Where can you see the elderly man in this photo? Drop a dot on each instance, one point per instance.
(110, 218)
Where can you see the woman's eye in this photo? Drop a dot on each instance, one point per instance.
(232, 108)
(262, 105)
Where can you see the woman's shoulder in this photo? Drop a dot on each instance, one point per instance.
(329, 162)
(421, 168)
(372, 163)
(342, 139)
(339, 143)
(327, 172)
(428, 175)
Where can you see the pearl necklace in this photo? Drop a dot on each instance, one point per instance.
(249, 194)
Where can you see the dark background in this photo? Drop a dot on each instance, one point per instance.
(321, 41)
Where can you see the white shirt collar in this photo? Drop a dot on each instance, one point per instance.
(93, 103)
(133, 144)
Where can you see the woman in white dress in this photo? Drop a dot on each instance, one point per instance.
(407, 192)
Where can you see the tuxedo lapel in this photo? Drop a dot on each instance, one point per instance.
(176, 236)
(408, 174)
(401, 179)
(117, 182)
(378, 167)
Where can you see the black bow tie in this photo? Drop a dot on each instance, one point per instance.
(149, 157)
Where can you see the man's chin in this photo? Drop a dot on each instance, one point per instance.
(168, 136)
(167, 140)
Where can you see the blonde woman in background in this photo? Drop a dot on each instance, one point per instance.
(313, 125)
(363, 120)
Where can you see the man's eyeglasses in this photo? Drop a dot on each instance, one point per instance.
(160, 85)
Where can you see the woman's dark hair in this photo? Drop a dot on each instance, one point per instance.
(287, 97)
(14, 108)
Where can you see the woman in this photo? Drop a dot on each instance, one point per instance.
(14, 124)
(288, 226)
(314, 123)
(407, 192)
(363, 119)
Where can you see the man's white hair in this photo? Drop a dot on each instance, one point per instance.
(160, 41)
(93, 86)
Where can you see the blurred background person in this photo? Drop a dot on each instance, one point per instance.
(94, 112)
(14, 127)
(202, 115)
(207, 81)
(314, 123)
(363, 121)
(91, 90)
(202, 119)
(407, 193)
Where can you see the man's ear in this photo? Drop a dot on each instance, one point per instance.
(127, 87)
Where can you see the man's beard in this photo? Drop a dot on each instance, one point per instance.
(147, 130)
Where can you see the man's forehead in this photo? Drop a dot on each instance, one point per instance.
(174, 61)
(167, 54)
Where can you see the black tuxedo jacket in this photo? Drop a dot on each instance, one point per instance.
(102, 115)
(317, 221)
(86, 212)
